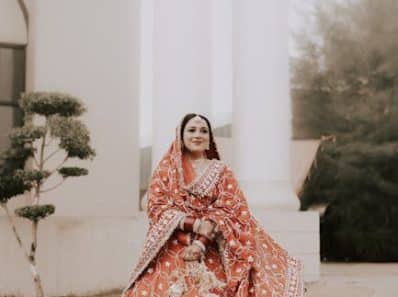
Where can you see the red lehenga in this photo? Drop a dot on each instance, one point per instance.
(243, 261)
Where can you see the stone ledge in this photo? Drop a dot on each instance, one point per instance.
(298, 242)
(288, 220)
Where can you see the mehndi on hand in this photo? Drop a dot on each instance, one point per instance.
(192, 252)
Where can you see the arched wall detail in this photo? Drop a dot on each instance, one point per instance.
(13, 23)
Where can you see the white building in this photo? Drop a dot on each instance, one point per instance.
(156, 60)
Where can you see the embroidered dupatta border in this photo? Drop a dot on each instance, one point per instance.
(156, 238)
(294, 282)
(203, 184)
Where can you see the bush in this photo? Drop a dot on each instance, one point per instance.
(358, 181)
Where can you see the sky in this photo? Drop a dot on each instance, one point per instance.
(300, 18)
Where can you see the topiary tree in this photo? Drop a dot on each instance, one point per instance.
(59, 114)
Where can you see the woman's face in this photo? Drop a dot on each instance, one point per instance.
(196, 135)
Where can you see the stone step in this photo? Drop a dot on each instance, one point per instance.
(356, 280)
(298, 242)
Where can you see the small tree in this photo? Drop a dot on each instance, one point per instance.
(61, 129)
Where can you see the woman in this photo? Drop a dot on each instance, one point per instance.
(202, 240)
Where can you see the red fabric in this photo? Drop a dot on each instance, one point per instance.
(183, 237)
(188, 171)
(188, 223)
(203, 240)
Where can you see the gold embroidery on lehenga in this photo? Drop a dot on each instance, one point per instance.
(203, 279)
(177, 286)
(156, 238)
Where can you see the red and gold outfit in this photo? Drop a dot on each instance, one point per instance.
(243, 260)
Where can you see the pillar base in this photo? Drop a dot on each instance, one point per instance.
(270, 195)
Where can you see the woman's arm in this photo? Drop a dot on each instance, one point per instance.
(203, 227)
(231, 214)
(159, 197)
(184, 238)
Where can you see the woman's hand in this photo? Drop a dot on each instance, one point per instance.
(192, 252)
(206, 229)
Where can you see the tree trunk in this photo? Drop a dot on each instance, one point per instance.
(29, 257)
(32, 258)
(36, 280)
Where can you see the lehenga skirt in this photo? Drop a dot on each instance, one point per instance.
(168, 275)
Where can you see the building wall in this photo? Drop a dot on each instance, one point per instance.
(12, 24)
(89, 49)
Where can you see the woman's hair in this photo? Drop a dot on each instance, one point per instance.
(212, 152)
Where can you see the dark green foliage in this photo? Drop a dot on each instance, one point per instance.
(345, 86)
(359, 183)
(50, 103)
(36, 176)
(13, 180)
(35, 213)
(12, 185)
(60, 112)
(21, 147)
(26, 135)
(74, 137)
(15, 157)
(349, 168)
(362, 229)
(72, 171)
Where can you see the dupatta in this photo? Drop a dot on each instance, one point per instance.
(254, 264)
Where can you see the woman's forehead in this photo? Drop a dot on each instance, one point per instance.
(197, 121)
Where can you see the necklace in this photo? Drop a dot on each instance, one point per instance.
(199, 165)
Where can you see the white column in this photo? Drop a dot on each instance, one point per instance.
(181, 66)
(262, 116)
(222, 62)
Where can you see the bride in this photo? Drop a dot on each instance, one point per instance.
(202, 240)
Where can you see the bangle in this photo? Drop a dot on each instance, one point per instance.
(203, 239)
(188, 223)
(199, 244)
(196, 225)
(181, 224)
(184, 238)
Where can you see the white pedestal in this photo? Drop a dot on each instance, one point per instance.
(298, 233)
